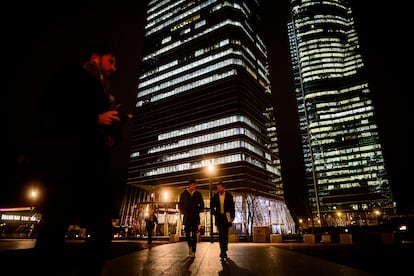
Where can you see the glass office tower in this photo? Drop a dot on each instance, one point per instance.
(204, 101)
(346, 177)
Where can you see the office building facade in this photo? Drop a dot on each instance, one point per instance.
(204, 101)
(345, 168)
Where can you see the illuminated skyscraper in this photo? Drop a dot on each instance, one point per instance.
(204, 98)
(346, 176)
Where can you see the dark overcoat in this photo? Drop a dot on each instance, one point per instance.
(190, 206)
(71, 151)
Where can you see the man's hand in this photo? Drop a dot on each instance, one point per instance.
(108, 118)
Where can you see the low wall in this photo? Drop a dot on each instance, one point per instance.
(261, 234)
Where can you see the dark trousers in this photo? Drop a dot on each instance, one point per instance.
(223, 238)
(191, 235)
(50, 245)
(223, 229)
(150, 230)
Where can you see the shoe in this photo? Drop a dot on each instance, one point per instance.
(223, 256)
(190, 251)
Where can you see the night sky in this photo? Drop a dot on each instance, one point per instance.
(37, 40)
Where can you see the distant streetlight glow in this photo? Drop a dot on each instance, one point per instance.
(32, 197)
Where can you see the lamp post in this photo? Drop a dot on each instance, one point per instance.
(32, 198)
(152, 196)
(166, 211)
(210, 186)
(270, 217)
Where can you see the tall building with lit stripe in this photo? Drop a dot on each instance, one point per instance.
(346, 175)
(204, 98)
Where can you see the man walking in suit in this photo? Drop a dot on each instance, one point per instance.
(223, 209)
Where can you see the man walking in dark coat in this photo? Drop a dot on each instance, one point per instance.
(191, 204)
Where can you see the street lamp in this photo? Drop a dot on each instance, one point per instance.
(210, 186)
(166, 211)
(32, 197)
(152, 196)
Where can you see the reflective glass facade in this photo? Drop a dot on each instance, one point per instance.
(204, 98)
(346, 176)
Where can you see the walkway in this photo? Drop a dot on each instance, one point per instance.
(246, 259)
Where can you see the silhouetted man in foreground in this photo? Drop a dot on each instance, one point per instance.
(77, 130)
